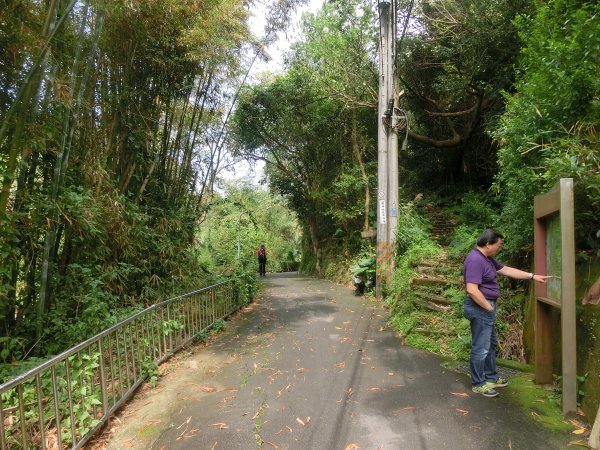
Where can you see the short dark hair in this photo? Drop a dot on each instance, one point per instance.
(489, 236)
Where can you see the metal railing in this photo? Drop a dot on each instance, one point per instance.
(62, 402)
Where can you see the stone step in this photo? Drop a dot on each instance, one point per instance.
(434, 281)
(428, 281)
(424, 304)
(433, 298)
(429, 331)
(426, 269)
(442, 262)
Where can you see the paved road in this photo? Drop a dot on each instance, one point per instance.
(311, 366)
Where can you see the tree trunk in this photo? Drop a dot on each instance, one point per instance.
(357, 149)
(314, 239)
(60, 168)
(28, 89)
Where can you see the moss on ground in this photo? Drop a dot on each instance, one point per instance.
(538, 401)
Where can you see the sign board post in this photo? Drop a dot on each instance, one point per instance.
(554, 241)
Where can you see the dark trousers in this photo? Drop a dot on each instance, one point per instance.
(262, 267)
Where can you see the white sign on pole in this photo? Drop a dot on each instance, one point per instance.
(382, 212)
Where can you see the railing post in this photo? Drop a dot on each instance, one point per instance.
(103, 383)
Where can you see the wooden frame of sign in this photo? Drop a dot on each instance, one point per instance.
(554, 241)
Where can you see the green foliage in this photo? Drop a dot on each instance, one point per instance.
(247, 217)
(218, 326)
(201, 337)
(476, 210)
(103, 158)
(400, 297)
(453, 72)
(171, 326)
(413, 230)
(150, 371)
(70, 389)
(549, 128)
(463, 240)
(364, 267)
(314, 126)
(11, 348)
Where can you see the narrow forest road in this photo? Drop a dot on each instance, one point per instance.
(311, 366)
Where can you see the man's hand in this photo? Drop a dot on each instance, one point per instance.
(541, 278)
(475, 294)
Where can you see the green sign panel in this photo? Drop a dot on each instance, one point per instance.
(553, 259)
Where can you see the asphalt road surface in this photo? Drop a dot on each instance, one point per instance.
(311, 366)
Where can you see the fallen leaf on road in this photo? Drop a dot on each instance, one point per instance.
(341, 365)
(291, 431)
(579, 431)
(186, 422)
(409, 408)
(300, 421)
(375, 389)
(460, 394)
(308, 419)
(271, 444)
(576, 423)
(220, 425)
(214, 446)
(208, 388)
(352, 447)
(464, 412)
(578, 443)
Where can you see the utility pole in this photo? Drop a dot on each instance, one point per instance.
(387, 149)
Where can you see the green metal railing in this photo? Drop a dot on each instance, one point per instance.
(62, 402)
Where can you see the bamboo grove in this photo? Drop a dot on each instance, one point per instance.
(113, 122)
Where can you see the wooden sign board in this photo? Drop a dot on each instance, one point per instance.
(554, 241)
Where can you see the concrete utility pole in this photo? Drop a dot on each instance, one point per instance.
(387, 160)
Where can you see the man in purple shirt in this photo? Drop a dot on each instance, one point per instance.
(480, 270)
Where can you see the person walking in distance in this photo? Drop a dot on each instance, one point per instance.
(261, 253)
(482, 291)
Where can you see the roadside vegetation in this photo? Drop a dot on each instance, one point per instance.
(112, 157)
(118, 120)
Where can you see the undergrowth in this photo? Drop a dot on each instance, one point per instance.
(447, 333)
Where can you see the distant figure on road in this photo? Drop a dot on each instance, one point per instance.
(261, 253)
(479, 270)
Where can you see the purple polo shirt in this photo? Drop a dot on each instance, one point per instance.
(481, 270)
